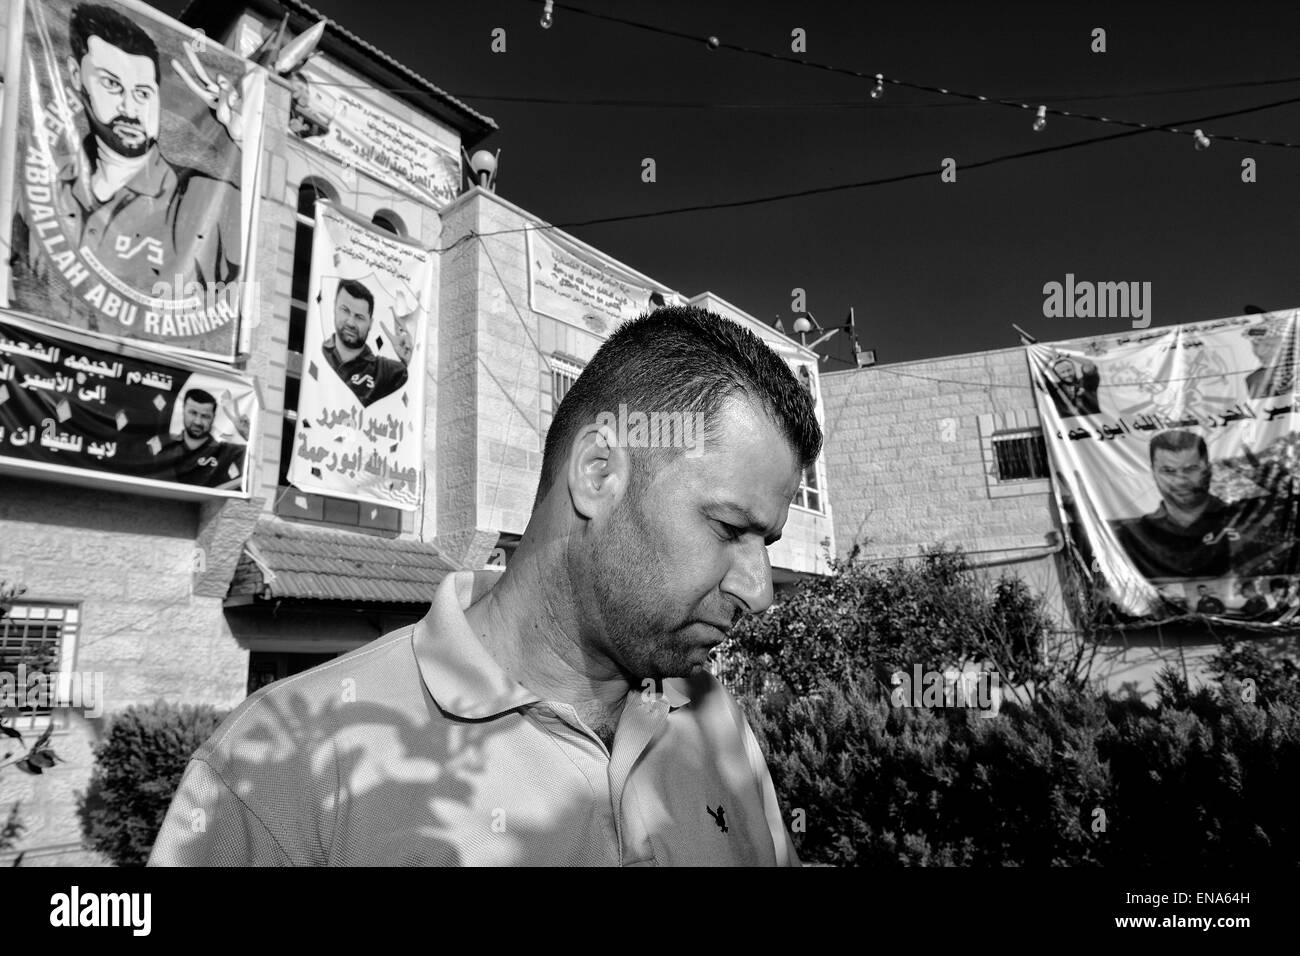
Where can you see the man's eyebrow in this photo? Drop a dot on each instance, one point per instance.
(751, 520)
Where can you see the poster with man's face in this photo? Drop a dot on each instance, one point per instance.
(1177, 450)
(361, 403)
(134, 137)
(124, 417)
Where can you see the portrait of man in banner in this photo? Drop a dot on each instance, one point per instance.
(369, 376)
(128, 219)
(1276, 374)
(197, 456)
(1196, 534)
(1074, 392)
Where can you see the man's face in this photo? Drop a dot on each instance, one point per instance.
(120, 93)
(1265, 346)
(1182, 477)
(1065, 372)
(351, 319)
(198, 418)
(674, 566)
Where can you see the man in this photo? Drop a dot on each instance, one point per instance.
(370, 376)
(197, 457)
(136, 216)
(1255, 605)
(1072, 393)
(1279, 590)
(1195, 534)
(565, 715)
(1208, 603)
(1276, 376)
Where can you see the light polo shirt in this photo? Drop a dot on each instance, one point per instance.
(418, 750)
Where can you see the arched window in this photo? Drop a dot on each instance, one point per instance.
(391, 221)
(311, 189)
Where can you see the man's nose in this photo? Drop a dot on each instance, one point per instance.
(749, 580)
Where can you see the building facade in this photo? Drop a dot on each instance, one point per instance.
(165, 592)
(950, 452)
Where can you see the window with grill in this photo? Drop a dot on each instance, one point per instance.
(564, 372)
(563, 375)
(39, 638)
(1021, 457)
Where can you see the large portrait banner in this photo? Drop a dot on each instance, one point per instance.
(1176, 452)
(133, 177)
(360, 430)
(70, 407)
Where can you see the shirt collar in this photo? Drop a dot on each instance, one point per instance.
(154, 178)
(461, 675)
(365, 355)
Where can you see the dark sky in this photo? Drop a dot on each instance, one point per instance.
(931, 268)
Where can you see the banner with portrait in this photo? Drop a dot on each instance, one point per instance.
(360, 135)
(1175, 457)
(575, 286)
(134, 169)
(360, 431)
(72, 407)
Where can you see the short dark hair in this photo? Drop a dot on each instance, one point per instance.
(681, 359)
(358, 291)
(1178, 441)
(199, 396)
(114, 28)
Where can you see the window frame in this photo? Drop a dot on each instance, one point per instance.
(27, 721)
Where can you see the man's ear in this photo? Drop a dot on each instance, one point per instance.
(74, 72)
(598, 470)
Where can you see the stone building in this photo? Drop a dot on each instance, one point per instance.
(949, 451)
(165, 594)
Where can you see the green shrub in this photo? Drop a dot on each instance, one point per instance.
(1076, 779)
(138, 766)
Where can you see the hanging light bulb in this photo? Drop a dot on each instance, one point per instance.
(548, 14)
(1041, 119)
(1202, 141)
(878, 90)
(713, 43)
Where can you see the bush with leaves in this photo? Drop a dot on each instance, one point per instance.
(869, 620)
(138, 767)
(1077, 778)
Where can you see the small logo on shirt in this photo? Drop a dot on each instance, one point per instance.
(719, 816)
(122, 246)
(367, 380)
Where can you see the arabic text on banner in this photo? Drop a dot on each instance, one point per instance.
(337, 122)
(569, 284)
(1175, 455)
(68, 405)
(134, 135)
(361, 405)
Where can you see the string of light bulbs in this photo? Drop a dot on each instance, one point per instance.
(1200, 139)
(881, 181)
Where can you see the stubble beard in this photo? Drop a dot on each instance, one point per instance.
(628, 590)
